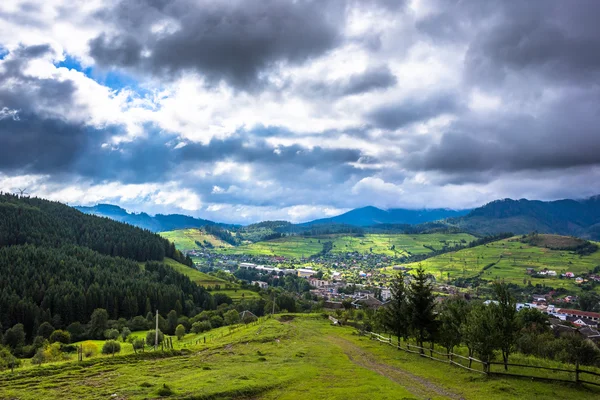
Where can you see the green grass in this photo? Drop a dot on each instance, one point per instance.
(200, 278)
(511, 259)
(185, 239)
(304, 358)
(299, 246)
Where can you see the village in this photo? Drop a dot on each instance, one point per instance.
(355, 280)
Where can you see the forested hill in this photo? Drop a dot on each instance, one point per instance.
(58, 266)
(563, 217)
(27, 220)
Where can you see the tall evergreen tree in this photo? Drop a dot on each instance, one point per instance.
(421, 305)
(397, 318)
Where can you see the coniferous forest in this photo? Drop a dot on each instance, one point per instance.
(58, 265)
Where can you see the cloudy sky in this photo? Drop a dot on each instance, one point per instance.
(249, 110)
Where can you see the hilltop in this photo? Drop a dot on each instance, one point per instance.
(369, 216)
(563, 217)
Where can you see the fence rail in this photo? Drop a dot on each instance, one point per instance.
(453, 359)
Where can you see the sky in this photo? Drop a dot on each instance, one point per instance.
(249, 110)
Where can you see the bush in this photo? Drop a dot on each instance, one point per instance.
(125, 333)
(7, 360)
(138, 323)
(111, 334)
(89, 349)
(180, 331)
(60, 336)
(138, 344)
(45, 330)
(111, 347)
(150, 336)
(201, 326)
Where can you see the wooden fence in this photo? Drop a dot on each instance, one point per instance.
(487, 368)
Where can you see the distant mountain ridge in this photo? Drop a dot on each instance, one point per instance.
(369, 216)
(157, 223)
(563, 217)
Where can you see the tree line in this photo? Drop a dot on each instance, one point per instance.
(64, 285)
(30, 220)
(486, 329)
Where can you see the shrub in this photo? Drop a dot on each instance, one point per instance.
(60, 336)
(180, 331)
(201, 326)
(150, 336)
(138, 344)
(125, 333)
(89, 348)
(111, 347)
(111, 334)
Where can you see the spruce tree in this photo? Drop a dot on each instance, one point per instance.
(396, 316)
(421, 305)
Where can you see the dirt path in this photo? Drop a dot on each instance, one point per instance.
(418, 386)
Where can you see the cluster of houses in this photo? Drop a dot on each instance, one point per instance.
(567, 275)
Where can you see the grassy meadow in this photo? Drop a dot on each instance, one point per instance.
(511, 258)
(185, 239)
(305, 357)
(300, 246)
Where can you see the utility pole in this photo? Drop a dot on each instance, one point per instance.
(156, 333)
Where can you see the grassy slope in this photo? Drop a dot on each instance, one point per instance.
(304, 358)
(185, 239)
(298, 246)
(512, 258)
(206, 280)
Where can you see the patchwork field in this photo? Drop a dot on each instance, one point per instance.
(302, 358)
(299, 246)
(185, 239)
(510, 259)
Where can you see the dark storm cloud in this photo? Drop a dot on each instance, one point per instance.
(155, 158)
(236, 41)
(550, 39)
(565, 135)
(33, 140)
(397, 115)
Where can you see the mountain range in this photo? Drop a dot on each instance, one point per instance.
(565, 217)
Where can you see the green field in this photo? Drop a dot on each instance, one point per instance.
(303, 358)
(209, 281)
(185, 239)
(511, 258)
(300, 246)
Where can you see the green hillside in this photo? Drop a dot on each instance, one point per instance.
(388, 244)
(305, 358)
(188, 239)
(509, 259)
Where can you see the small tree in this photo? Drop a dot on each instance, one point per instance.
(111, 334)
(60, 336)
(506, 321)
(111, 347)
(150, 336)
(125, 333)
(7, 360)
(138, 344)
(480, 332)
(180, 331)
(452, 316)
(231, 317)
(98, 323)
(45, 330)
